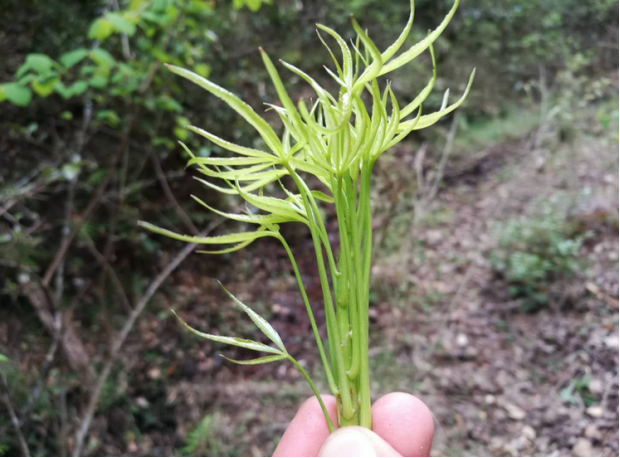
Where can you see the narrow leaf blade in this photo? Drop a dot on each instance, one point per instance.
(259, 321)
(253, 362)
(236, 341)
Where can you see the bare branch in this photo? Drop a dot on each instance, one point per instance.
(7, 402)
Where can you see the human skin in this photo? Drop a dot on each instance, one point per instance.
(402, 425)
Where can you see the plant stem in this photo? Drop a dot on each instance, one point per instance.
(365, 220)
(344, 397)
(330, 378)
(328, 419)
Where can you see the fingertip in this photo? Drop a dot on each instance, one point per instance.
(404, 422)
(308, 429)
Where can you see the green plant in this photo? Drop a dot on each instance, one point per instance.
(202, 440)
(534, 251)
(337, 141)
(578, 392)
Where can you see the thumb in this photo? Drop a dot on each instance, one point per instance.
(356, 441)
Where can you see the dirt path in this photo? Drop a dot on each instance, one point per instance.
(499, 381)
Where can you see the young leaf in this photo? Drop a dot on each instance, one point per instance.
(102, 57)
(252, 219)
(227, 161)
(100, 29)
(259, 321)
(44, 86)
(234, 190)
(236, 104)
(17, 94)
(252, 362)
(423, 95)
(237, 247)
(227, 145)
(274, 205)
(71, 58)
(282, 94)
(217, 240)
(121, 24)
(39, 63)
(373, 70)
(393, 49)
(236, 341)
(347, 60)
(430, 119)
(421, 46)
(322, 196)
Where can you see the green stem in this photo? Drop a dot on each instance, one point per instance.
(334, 339)
(365, 220)
(330, 378)
(354, 298)
(328, 419)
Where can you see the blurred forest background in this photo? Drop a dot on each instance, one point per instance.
(495, 287)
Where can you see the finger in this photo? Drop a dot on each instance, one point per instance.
(356, 441)
(404, 422)
(308, 430)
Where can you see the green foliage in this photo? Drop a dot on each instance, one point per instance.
(577, 392)
(199, 438)
(337, 141)
(534, 251)
(206, 438)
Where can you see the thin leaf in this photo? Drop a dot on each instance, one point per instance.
(421, 46)
(405, 132)
(253, 362)
(259, 321)
(250, 152)
(393, 49)
(217, 240)
(322, 197)
(276, 206)
(233, 190)
(252, 219)
(329, 50)
(430, 119)
(282, 94)
(423, 95)
(236, 341)
(227, 161)
(373, 70)
(232, 249)
(347, 59)
(263, 128)
(254, 173)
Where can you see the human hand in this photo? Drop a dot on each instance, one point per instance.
(402, 425)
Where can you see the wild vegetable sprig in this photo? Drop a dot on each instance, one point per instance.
(336, 139)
